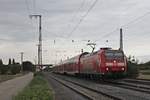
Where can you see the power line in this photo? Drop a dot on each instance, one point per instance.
(106, 35)
(55, 35)
(75, 14)
(138, 18)
(72, 18)
(82, 18)
(81, 6)
(125, 25)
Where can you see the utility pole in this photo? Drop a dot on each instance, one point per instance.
(121, 40)
(21, 61)
(40, 40)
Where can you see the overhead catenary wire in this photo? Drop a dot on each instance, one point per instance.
(72, 18)
(55, 35)
(124, 25)
(82, 18)
(136, 19)
(107, 34)
(78, 9)
(75, 14)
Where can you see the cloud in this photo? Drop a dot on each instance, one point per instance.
(60, 17)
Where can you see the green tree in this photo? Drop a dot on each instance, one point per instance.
(4, 69)
(28, 66)
(1, 62)
(15, 68)
(9, 62)
(13, 62)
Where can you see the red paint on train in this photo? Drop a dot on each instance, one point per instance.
(104, 61)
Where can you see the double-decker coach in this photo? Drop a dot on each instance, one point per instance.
(103, 62)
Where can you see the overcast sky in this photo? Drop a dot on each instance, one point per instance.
(19, 33)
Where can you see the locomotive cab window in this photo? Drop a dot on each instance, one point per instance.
(113, 54)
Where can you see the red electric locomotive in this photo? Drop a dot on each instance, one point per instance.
(104, 62)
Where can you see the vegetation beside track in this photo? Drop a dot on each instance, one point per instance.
(144, 70)
(8, 77)
(132, 69)
(38, 89)
(14, 69)
(136, 70)
(144, 74)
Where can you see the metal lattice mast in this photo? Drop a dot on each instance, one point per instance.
(40, 39)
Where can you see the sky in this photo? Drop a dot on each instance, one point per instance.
(77, 20)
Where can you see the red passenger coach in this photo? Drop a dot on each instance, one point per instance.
(104, 62)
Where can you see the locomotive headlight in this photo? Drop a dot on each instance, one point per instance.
(114, 61)
(122, 68)
(107, 69)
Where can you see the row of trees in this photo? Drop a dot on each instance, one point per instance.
(13, 67)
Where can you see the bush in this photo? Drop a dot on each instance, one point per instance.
(15, 68)
(132, 70)
(38, 74)
(28, 66)
(4, 69)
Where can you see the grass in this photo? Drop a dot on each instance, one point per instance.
(5, 77)
(144, 74)
(38, 89)
(141, 76)
(8, 77)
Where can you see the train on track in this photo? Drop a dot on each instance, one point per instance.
(105, 62)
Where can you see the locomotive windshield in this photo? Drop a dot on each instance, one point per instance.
(113, 54)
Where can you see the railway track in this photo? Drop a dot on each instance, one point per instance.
(131, 86)
(112, 90)
(140, 85)
(138, 81)
(85, 91)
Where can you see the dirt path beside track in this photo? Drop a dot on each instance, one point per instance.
(10, 88)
